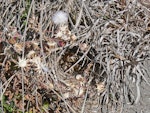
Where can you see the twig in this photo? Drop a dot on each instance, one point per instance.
(22, 83)
(85, 98)
(79, 17)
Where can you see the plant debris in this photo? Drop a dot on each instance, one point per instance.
(72, 56)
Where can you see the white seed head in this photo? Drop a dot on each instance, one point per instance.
(60, 17)
(22, 63)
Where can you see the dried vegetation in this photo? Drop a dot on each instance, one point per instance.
(86, 66)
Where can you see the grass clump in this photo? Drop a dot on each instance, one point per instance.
(95, 61)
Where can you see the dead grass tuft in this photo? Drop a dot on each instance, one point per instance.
(87, 65)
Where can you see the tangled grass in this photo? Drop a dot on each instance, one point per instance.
(87, 65)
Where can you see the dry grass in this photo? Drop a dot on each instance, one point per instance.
(106, 50)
